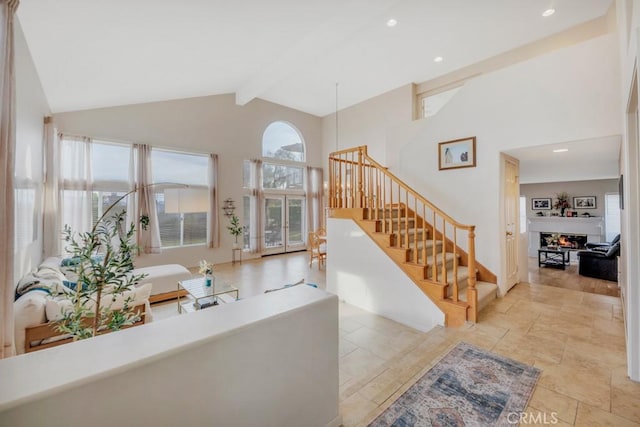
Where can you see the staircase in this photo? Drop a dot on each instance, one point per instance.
(434, 250)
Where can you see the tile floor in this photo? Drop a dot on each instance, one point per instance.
(575, 338)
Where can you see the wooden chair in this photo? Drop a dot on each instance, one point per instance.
(317, 250)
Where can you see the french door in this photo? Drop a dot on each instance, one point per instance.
(284, 224)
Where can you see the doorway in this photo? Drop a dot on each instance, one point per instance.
(284, 224)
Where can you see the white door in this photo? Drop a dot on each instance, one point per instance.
(511, 218)
(284, 224)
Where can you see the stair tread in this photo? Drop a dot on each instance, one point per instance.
(486, 293)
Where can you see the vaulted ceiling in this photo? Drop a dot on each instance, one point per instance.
(97, 53)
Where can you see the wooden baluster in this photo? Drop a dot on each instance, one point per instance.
(455, 265)
(424, 234)
(472, 292)
(360, 198)
(434, 268)
(444, 251)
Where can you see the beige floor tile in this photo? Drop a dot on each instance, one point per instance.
(625, 395)
(379, 389)
(354, 408)
(590, 416)
(360, 363)
(550, 402)
(589, 385)
(547, 349)
(345, 347)
(587, 352)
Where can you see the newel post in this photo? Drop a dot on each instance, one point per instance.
(472, 292)
(360, 178)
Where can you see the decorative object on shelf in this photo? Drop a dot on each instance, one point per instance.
(206, 269)
(458, 153)
(235, 229)
(229, 207)
(552, 240)
(539, 213)
(584, 202)
(541, 203)
(562, 202)
(586, 214)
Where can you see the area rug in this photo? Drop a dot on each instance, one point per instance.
(468, 387)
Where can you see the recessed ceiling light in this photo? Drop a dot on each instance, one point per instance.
(560, 150)
(438, 59)
(392, 23)
(548, 12)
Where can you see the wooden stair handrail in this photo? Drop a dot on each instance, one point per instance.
(347, 190)
(406, 187)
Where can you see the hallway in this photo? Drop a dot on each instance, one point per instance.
(569, 279)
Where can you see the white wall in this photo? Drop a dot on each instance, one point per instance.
(206, 124)
(270, 360)
(369, 123)
(362, 274)
(596, 187)
(628, 22)
(570, 94)
(31, 108)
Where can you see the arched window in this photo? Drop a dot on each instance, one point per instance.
(283, 141)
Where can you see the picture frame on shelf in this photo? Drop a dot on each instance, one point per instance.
(584, 202)
(541, 203)
(458, 153)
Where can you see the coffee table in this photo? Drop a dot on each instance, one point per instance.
(202, 296)
(557, 257)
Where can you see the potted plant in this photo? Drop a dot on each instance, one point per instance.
(235, 229)
(102, 261)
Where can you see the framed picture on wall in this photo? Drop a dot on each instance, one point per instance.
(584, 202)
(541, 203)
(459, 153)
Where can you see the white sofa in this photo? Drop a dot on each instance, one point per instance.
(36, 307)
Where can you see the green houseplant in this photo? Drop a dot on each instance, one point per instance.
(235, 229)
(102, 260)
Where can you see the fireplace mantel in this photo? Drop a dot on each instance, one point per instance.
(593, 227)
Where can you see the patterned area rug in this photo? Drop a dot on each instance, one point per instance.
(468, 387)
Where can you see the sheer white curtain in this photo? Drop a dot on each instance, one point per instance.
(314, 198)
(213, 239)
(258, 195)
(148, 240)
(76, 180)
(51, 239)
(7, 169)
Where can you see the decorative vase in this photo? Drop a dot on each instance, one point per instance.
(208, 280)
(562, 211)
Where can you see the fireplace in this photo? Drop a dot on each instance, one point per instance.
(565, 240)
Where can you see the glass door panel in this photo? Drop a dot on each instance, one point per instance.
(295, 225)
(284, 224)
(274, 224)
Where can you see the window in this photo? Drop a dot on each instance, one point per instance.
(282, 141)
(431, 104)
(182, 212)
(282, 177)
(95, 174)
(612, 215)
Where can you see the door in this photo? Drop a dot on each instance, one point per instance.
(284, 224)
(511, 218)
